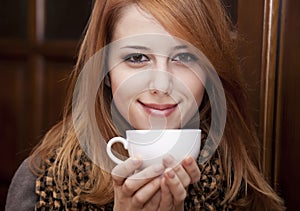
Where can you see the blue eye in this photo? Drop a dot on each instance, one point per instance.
(136, 58)
(184, 58)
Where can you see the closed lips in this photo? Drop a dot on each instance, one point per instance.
(159, 109)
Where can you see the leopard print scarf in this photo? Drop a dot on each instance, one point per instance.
(207, 194)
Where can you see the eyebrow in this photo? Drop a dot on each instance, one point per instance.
(180, 47)
(137, 47)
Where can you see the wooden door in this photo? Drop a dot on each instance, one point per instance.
(38, 43)
(287, 126)
(271, 54)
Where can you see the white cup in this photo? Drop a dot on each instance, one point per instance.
(153, 145)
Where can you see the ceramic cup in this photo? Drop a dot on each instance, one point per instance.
(153, 145)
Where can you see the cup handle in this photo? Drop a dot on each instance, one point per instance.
(109, 145)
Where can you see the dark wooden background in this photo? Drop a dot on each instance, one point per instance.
(38, 44)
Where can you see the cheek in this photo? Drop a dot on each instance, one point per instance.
(119, 86)
(194, 87)
(115, 80)
(124, 78)
(121, 98)
(198, 93)
(125, 91)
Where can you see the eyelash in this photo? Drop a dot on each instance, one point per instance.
(184, 58)
(138, 58)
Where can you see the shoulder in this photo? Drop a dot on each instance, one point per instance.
(21, 194)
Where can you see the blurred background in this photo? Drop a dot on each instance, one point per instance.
(38, 44)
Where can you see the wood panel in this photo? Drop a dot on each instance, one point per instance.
(269, 76)
(271, 60)
(57, 73)
(288, 104)
(12, 119)
(250, 31)
(13, 16)
(62, 26)
(38, 43)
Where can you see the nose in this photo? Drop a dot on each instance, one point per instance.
(161, 78)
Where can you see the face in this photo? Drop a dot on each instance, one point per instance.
(154, 77)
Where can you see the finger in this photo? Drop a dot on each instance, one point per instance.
(175, 186)
(144, 194)
(166, 202)
(169, 161)
(148, 173)
(184, 177)
(124, 170)
(153, 203)
(138, 180)
(192, 169)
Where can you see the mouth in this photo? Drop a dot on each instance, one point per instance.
(159, 110)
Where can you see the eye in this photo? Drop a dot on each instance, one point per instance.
(136, 58)
(184, 58)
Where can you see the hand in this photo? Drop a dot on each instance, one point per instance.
(176, 179)
(146, 190)
(140, 191)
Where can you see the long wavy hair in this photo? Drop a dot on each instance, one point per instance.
(206, 25)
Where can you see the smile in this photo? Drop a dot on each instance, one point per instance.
(159, 110)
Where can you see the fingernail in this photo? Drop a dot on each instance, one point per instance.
(188, 161)
(136, 161)
(159, 168)
(168, 159)
(170, 173)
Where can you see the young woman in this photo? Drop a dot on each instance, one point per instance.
(61, 174)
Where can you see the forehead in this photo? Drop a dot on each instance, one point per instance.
(136, 21)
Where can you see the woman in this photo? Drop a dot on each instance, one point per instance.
(66, 178)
